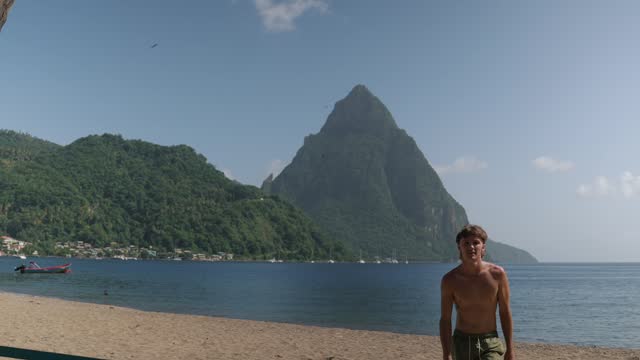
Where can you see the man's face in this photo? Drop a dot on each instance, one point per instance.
(471, 248)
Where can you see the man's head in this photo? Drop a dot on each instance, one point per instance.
(471, 242)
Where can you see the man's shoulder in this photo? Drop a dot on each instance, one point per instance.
(495, 270)
(451, 274)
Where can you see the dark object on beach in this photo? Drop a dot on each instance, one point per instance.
(34, 268)
(18, 353)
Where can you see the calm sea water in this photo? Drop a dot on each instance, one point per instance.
(584, 304)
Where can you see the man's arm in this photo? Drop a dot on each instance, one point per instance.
(446, 307)
(505, 314)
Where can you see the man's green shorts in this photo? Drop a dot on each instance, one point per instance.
(477, 346)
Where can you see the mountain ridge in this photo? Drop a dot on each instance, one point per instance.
(367, 183)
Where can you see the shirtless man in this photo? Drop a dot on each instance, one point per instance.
(476, 288)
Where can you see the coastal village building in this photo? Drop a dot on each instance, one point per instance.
(83, 249)
(10, 244)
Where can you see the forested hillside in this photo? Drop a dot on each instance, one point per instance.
(103, 189)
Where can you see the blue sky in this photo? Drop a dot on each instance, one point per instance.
(528, 110)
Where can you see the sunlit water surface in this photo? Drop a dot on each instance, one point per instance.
(584, 304)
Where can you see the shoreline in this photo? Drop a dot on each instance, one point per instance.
(113, 332)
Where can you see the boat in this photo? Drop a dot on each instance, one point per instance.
(394, 260)
(34, 268)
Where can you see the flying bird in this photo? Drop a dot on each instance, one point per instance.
(154, 45)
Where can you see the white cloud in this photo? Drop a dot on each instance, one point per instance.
(603, 187)
(279, 16)
(551, 165)
(599, 187)
(275, 167)
(584, 190)
(629, 184)
(228, 174)
(462, 165)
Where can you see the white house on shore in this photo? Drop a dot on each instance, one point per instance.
(11, 244)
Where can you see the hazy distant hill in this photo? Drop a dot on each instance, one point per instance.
(101, 189)
(503, 253)
(366, 182)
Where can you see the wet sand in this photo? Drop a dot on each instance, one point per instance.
(111, 332)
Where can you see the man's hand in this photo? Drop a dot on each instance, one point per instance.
(509, 355)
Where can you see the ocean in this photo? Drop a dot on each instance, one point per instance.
(581, 304)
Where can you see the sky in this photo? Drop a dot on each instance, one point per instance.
(527, 110)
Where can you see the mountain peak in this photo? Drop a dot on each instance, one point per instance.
(360, 111)
(360, 90)
(366, 182)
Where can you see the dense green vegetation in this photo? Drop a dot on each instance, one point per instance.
(16, 146)
(366, 182)
(103, 189)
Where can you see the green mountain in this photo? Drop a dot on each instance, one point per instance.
(16, 146)
(103, 189)
(366, 182)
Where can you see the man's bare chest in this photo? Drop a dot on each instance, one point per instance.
(475, 290)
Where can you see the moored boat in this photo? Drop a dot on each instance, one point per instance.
(34, 268)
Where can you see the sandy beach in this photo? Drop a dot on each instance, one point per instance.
(111, 332)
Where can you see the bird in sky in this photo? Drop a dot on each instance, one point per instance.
(154, 45)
